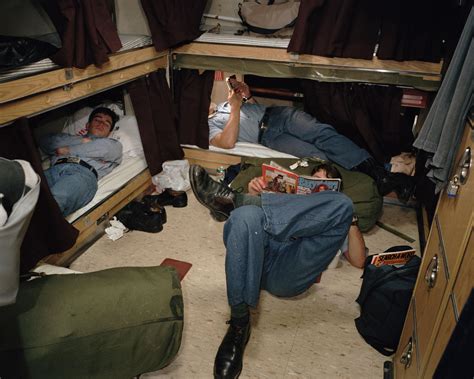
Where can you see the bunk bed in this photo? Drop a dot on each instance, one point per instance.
(31, 91)
(268, 57)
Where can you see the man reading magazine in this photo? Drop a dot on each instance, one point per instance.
(274, 241)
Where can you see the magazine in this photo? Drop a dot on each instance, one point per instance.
(279, 179)
(396, 258)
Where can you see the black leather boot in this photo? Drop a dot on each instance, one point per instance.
(228, 363)
(218, 198)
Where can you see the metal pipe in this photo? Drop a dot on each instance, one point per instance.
(223, 18)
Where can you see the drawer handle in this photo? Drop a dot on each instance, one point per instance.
(407, 354)
(432, 272)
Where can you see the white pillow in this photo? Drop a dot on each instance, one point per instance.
(126, 131)
(76, 124)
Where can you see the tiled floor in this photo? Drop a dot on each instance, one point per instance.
(310, 336)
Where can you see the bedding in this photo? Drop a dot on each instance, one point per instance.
(247, 149)
(129, 42)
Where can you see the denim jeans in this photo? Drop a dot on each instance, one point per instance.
(72, 186)
(295, 132)
(284, 245)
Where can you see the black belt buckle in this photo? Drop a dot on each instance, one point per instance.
(78, 161)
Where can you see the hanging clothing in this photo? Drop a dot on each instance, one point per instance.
(442, 130)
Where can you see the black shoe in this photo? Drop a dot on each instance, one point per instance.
(218, 198)
(178, 199)
(136, 216)
(228, 362)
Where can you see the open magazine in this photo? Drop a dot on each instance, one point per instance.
(279, 179)
(396, 258)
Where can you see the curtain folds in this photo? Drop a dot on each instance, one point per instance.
(173, 22)
(192, 92)
(371, 116)
(87, 31)
(151, 98)
(398, 29)
(49, 232)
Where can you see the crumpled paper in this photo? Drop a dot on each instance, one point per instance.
(116, 229)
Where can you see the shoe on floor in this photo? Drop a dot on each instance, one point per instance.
(178, 199)
(137, 216)
(228, 362)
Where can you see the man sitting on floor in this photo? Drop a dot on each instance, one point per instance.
(78, 162)
(277, 242)
(295, 132)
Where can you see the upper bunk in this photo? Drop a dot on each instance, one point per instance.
(39, 92)
(268, 57)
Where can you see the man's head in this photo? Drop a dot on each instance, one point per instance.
(101, 122)
(326, 170)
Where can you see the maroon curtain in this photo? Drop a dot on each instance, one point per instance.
(87, 31)
(337, 28)
(413, 30)
(173, 22)
(192, 92)
(371, 116)
(49, 232)
(151, 98)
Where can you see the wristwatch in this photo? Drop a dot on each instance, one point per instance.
(355, 220)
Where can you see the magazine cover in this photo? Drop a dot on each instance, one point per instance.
(279, 179)
(392, 258)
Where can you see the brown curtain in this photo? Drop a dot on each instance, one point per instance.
(409, 30)
(371, 116)
(151, 98)
(337, 28)
(192, 95)
(173, 22)
(49, 232)
(413, 30)
(87, 31)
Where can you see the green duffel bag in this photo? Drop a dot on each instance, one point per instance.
(115, 323)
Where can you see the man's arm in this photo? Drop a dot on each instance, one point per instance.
(229, 135)
(355, 253)
(103, 149)
(50, 143)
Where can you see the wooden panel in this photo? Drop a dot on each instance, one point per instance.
(210, 159)
(401, 370)
(42, 82)
(461, 291)
(425, 69)
(57, 97)
(88, 224)
(454, 213)
(429, 299)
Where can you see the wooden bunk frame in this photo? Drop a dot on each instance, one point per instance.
(247, 59)
(45, 91)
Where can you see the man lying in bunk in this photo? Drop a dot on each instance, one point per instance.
(295, 132)
(78, 162)
(277, 242)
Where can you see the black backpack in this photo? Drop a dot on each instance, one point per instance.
(384, 299)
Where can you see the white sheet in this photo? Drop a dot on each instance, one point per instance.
(247, 149)
(229, 38)
(109, 184)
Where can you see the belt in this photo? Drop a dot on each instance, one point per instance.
(77, 161)
(263, 124)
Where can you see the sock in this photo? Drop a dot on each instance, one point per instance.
(240, 314)
(242, 199)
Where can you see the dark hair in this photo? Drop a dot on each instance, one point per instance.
(331, 171)
(106, 111)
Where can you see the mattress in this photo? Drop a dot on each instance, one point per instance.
(228, 37)
(109, 184)
(129, 42)
(247, 149)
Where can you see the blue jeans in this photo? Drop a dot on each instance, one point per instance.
(296, 132)
(284, 245)
(72, 186)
